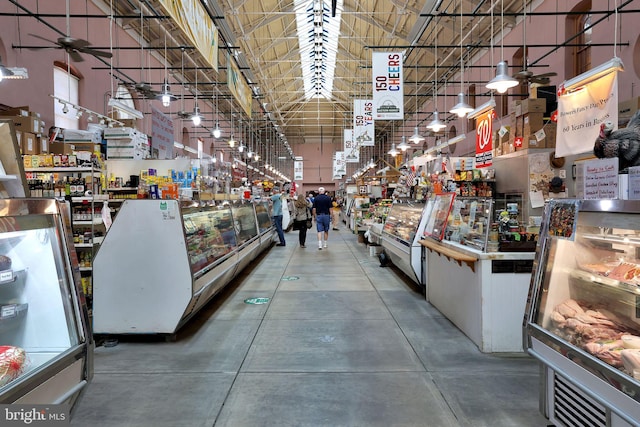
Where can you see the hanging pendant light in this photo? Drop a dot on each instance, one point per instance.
(394, 152)
(461, 109)
(166, 96)
(403, 145)
(436, 125)
(416, 138)
(502, 81)
(196, 118)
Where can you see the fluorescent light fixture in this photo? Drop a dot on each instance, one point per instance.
(502, 81)
(614, 64)
(19, 73)
(114, 103)
(461, 108)
(482, 109)
(436, 124)
(416, 138)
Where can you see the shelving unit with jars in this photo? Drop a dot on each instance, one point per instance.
(81, 187)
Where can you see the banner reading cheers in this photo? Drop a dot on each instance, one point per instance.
(581, 113)
(387, 86)
(363, 124)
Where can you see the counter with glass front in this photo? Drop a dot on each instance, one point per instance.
(162, 260)
(482, 293)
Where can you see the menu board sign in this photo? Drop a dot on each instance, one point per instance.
(598, 179)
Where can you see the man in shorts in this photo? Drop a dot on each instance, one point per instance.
(322, 213)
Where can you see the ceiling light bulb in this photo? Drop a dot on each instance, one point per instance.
(403, 145)
(195, 117)
(416, 138)
(461, 109)
(502, 81)
(166, 100)
(241, 147)
(65, 109)
(216, 133)
(436, 125)
(90, 118)
(393, 151)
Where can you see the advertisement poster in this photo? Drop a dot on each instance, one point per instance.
(387, 86)
(161, 134)
(582, 112)
(341, 163)
(298, 169)
(363, 124)
(484, 139)
(351, 150)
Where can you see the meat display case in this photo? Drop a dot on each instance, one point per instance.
(162, 260)
(583, 312)
(469, 222)
(46, 346)
(400, 236)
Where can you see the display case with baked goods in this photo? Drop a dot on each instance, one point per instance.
(400, 235)
(469, 222)
(46, 346)
(583, 315)
(162, 260)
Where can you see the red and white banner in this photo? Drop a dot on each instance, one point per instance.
(364, 132)
(581, 112)
(388, 78)
(484, 139)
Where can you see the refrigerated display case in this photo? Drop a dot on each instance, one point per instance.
(46, 346)
(401, 233)
(162, 260)
(470, 221)
(583, 317)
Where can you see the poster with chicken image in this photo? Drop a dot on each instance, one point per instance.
(583, 114)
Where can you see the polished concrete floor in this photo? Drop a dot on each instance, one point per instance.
(342, 342)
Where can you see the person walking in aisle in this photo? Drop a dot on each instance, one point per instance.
(322, 214)
(276, 211)
(335, 213)
(301, 214)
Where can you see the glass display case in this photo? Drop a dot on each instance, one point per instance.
(403, 220)
(583, 316)
(202, 246)
(44, 330)
(439, 217)
(469, 221)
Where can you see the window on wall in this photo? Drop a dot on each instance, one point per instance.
(124, 96)
(579, 30)
(65, 87)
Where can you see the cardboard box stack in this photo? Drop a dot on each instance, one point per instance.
(530, 128)
(29, 129)
(626, 110)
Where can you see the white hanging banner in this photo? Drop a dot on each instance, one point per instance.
(387, 86)
(363, 124)
(341, 163)
(351, 150)
(582, 112)
(298, 169)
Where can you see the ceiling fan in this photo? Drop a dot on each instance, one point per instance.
(526, 75)
(74, 47)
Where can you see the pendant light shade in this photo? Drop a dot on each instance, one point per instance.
(416, 138)
(166, 96)
(196, 118)
(232, 142)
(436, 124)
(502, 81)
(216, 132)
(394, 152)
(461, 109)
(403, 145)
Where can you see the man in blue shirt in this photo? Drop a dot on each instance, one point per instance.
(276, 199)
(322, 214)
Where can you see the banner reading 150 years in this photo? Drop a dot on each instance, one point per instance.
(387, 86)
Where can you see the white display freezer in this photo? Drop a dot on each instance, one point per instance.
(162, 260)
(583, 312)
(46, 346)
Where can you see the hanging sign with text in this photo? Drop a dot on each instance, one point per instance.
(582, 112)
(351, 150)
(161, 134)
(298, 169)
(484, 139)
(388, 103)
(597, 179)
(363, 124)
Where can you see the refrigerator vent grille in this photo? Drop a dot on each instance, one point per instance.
(573, 409)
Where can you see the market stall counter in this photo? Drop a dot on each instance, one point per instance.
(483, 293)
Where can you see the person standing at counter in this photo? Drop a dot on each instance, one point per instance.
(276, 200)
(301, 214)
(322, 214)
